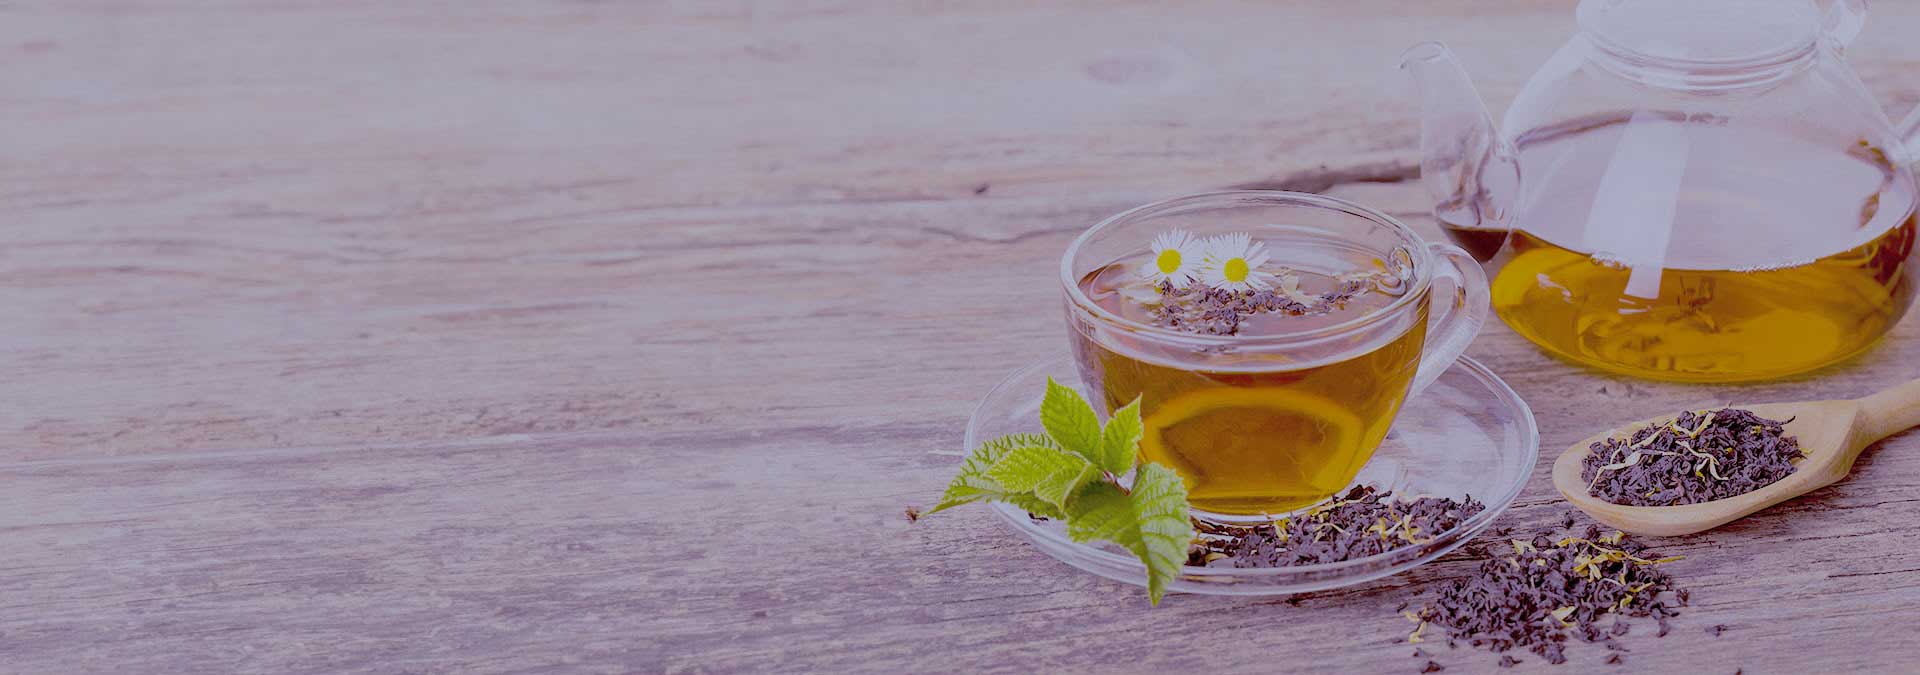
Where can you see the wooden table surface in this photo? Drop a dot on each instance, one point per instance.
(460, 336)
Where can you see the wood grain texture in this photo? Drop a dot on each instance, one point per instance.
(426, 337)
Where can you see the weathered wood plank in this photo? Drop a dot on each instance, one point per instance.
(356, 222)
(380, 337)
(720, 550)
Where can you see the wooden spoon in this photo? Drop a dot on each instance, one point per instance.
(1832, 433)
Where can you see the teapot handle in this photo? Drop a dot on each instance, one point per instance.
(1844, 20)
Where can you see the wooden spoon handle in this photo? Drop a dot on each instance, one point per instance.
(1890, 412)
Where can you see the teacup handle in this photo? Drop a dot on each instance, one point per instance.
(1457, 302)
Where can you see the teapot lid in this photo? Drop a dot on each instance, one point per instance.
(1721, 31)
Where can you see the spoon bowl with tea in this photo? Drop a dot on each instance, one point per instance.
(1831, 433)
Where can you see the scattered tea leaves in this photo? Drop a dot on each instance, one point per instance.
(1361, 523)
(1693, 458)
(1534, 593)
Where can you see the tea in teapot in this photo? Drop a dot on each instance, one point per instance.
(1686, 191)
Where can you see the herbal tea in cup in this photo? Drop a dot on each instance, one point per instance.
(1271, 337)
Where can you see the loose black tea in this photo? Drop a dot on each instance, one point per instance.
(1361, 523)
(1536, 593)
(1696, 457)
(1199, 308)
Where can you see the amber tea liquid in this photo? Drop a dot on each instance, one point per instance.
(1771, 257)
(1257, 434)
(1707, 325)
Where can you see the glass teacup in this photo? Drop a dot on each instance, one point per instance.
(1268, 412)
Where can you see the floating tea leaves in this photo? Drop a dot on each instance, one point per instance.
(1696, 457)
(1199, 308)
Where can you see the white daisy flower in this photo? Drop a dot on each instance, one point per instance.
(1176, 259)
(1233, 263)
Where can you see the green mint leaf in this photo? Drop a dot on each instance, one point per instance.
(1048, 472)
(1068, 474)
(1152, 522)
(973, 484)
(1070, 421)
(1120, 441)
(1033, 505)
(1025, 467)
(1060, 487)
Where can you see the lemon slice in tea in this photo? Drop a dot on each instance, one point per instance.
(1253, 450)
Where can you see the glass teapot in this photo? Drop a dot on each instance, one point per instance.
(1698, 191)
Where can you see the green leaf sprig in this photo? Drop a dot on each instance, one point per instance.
(1072, 473)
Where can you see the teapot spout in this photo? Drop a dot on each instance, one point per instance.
(1471, 173)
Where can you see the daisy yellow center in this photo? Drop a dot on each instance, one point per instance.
(1168, 261)
(1235, 270)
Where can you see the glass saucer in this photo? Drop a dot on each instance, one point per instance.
(1467, 434)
